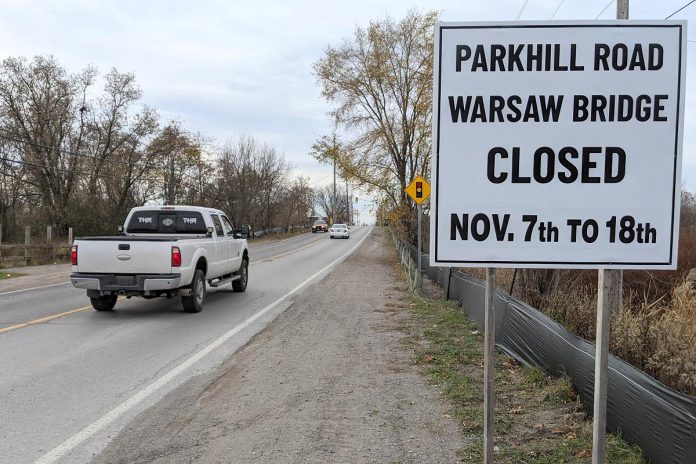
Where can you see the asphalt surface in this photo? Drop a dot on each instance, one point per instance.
(73, 377)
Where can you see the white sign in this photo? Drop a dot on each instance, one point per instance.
(558, 144)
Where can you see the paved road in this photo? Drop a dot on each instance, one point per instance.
(69, 383)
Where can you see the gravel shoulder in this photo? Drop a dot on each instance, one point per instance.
(35, 276)
(330, 380)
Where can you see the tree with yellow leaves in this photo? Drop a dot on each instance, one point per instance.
(380, 81)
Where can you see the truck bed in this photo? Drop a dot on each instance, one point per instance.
(139, 238)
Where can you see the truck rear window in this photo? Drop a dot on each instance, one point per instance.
(166, 222)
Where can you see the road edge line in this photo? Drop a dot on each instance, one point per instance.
(33, 288)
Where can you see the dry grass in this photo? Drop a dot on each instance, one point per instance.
(655, 332)
(661, 338)
(8, 275)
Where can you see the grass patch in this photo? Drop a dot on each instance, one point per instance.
(9, 275)
(539, 419)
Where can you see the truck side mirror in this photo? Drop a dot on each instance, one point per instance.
(209, 232)
(245, 231)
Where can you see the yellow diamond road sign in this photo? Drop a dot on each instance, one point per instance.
(418, 190)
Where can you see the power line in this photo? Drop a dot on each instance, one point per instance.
(524, 5)
(68, 152)
(47, 147)
(83, 173)
(605, 9)
(93, 158)
(34, 165)
(557, 8)
(319, 180)
(692, 1)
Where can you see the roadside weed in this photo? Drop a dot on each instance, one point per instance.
(539, 419)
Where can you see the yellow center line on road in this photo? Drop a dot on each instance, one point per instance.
(42, 319)
(84, 308)
(45, 319)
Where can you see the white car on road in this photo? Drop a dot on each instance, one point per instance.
(339, 231)
(163, 251)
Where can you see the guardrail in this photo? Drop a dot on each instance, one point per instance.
(642, 410)
(415, 278)
(278, 230)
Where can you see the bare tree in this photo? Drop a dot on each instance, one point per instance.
(297, 202)
(73, 155)
(180, 163)
(39, 105)
(76, 152)
(328, 203)
(253, 182)
(687, 212)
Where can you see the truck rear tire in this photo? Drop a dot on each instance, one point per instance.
(240, 284)
(194, 302)
(104, 303)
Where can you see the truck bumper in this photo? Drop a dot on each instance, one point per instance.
(126, 284)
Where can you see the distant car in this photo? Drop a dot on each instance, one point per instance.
(320, 226)
(339, 231)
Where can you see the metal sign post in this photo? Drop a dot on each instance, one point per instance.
(608, 281)
(419, 191)
(420, 236)
(489, 369)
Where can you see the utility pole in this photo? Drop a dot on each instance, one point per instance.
(333, 200)
(171, 197)
(609, 293)
(347, 204)
(621, 9)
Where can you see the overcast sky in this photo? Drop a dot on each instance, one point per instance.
(230, 67)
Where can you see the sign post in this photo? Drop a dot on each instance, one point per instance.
(609, 296)
(608, 280)
(558, 145)
(420, 236)
(489, 369)
(419, 191)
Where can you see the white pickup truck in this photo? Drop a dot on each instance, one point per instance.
(162, 251)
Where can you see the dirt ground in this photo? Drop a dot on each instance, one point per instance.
(329, 381)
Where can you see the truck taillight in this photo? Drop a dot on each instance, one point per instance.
(176, 257)
(73, 255)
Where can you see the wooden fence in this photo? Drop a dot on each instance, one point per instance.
(45, 250)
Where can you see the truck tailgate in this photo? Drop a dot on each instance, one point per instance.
(124, 256)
